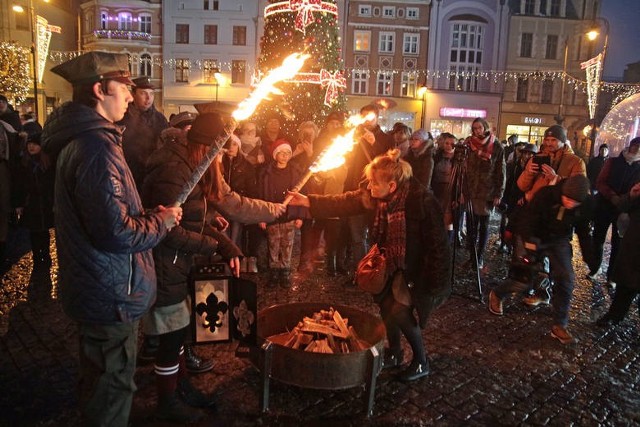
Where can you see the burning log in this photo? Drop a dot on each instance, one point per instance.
(325, 331)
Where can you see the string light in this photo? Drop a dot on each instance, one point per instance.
(15, 71)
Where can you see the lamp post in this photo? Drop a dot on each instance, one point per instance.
(560, 118)
(422, 93)
(592, 35)
(33, 27)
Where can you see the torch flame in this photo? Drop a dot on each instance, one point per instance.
(334, 155)
(289, 68)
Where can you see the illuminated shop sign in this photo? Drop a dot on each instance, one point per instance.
(462, 112)
(533, 120)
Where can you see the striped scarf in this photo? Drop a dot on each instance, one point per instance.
(482, 147)
(390, 228)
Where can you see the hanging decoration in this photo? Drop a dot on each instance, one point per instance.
(43, 34)
(332, 81)
(593, 69)
(303, 9)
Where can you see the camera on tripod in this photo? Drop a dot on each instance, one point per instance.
(460, 152)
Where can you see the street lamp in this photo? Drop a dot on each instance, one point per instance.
(560, 118)
(592, 35)
(422, 93)
(34, 49)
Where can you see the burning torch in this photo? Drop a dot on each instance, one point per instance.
(334, 155)
(289, 68)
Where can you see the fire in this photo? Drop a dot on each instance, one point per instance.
(289, 68)
(334, 155)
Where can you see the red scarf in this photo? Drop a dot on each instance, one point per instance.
(390, 228)
(482, 147)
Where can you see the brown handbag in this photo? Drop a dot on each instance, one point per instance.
(371, 275)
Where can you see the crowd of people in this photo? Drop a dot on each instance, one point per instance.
(108, 167)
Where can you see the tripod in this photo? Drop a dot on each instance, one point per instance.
(457, 187)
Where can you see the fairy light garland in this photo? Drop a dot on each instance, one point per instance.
(15, 71)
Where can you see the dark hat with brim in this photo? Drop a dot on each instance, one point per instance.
(93, 67)
(532, 148)
(182, 119)
(206, 128)
(143, 83)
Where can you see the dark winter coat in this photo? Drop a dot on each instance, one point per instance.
(593, 169)
(616, 179)
(34, 192)
(274, 183)
(168, 169)
(104, 237)
(362, 154)
(626, 271)
(141, 138)
(485, 179)
(428, 255)
(421, 162)
(240, 175)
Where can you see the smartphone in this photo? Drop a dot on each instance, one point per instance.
(542, 160)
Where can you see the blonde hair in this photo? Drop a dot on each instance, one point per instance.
(391, 167)
(308, 124)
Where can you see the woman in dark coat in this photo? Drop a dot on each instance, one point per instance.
(408, 225)
(34, 201)
(168, 169)
(626, 271)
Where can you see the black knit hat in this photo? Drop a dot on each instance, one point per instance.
(557, 132)
(576, 188)
(206, 128)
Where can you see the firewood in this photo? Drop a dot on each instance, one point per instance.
(340, 322)
(322, 329)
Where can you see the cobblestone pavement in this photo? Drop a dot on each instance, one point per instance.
(486, 370)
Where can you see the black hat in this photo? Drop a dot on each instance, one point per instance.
(33, 138)
(557, 132)
(206, 128)
(181, 119)
(4, 98)
(576, 188)
(143, 83)
(635, 141)
(92, 67)
(532, 148)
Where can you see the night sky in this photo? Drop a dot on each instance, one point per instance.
(624, 35)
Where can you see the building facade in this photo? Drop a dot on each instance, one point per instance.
(467, 50)
(130, 27)
(547, 43)
(58, 21)
(210, 50)
(385, 55)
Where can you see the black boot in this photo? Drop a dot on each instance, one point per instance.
(194, 363)
(150, 344)
(274, 278)
(194, 397)
(170, 408)
(330, 262)
(285, 278)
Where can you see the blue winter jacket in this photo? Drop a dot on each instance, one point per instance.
(104, 237)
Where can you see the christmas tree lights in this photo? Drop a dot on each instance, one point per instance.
(15, 71)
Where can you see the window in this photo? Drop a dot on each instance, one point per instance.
(386, 42)
(206, 5)
(523, 90)
(526, 45)
(88, 22)
(554, 9)
(182, 33)
(238, 71)
(361, 41)
(465, 56)
(239, 35)
(104, 20)
(359, 82)
(145, 23)
(125, 21)
(388, 11)
(413, 13)
(410, 44)
(384, 83)
(216, 4)
(552, 47)
(129, 63)
(209, 70)
(529, 7)
(364, 10)
(409, 85)
(546, 97)
(145, 65)
(182, 71)
(210, 34)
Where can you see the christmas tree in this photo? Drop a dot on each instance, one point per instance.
(14, 71)
(309, 26)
